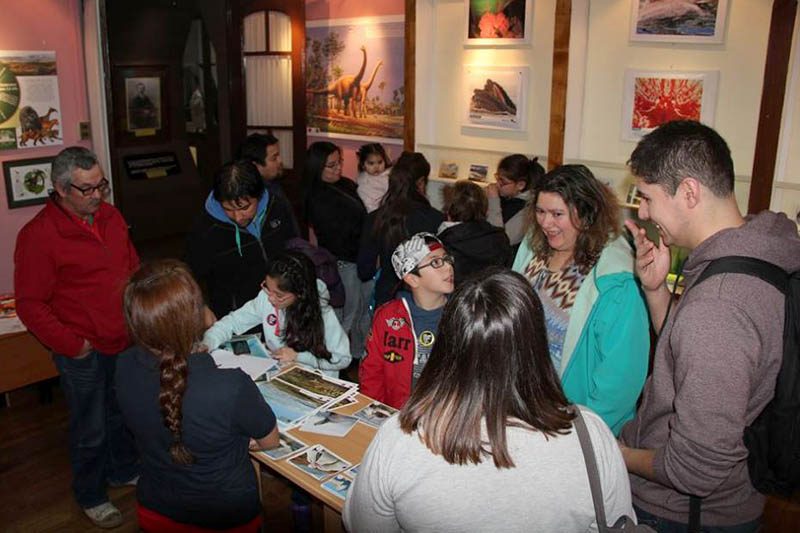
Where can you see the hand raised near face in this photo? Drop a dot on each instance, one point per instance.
(652, 261)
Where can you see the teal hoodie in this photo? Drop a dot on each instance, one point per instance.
(214, 208)
(607, 343)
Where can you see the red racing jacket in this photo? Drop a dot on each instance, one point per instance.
(385, 373)
(68, 282)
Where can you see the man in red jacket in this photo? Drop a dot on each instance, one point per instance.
(70, 267)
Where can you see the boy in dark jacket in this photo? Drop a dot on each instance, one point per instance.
(404, 329)
(474, 243)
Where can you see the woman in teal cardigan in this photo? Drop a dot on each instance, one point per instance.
(582, 269)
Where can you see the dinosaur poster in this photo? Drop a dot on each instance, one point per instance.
(495, 97)
(30, 112)
(355, 78)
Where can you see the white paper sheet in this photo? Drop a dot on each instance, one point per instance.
(252, 366)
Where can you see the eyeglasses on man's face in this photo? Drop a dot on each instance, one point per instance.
(101, 187)
(438, 262)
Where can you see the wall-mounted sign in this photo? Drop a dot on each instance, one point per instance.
(149, 166)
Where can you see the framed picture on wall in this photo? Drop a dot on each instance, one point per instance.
(141, 104)
(498, 22)
(28, 181)
(679, 21)
(653, 98)
(495, 97)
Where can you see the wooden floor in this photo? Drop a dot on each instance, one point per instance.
(35, 493)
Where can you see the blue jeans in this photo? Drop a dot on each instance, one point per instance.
(101, 448)
(354, 316)
(662, 525)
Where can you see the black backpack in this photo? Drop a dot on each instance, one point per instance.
(773, 439)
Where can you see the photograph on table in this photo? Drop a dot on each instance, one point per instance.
(448, 170)
(652, 98)
(329, 423)
(495, 97)
(319, 462)
(679, 21)
(27, 181)
(246, 345)
(353, 471)
(355, 78)
(344, 402)
(289, 404)
(375, 414)
(288, 445)
(338, 485)
(317, 385)
(498, 22)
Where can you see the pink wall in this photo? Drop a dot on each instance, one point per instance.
(329, 9)
(42, 25)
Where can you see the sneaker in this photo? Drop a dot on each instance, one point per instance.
(104, 515)
(130, 483)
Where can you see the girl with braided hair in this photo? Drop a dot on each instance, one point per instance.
(299, 324)
(193, 422)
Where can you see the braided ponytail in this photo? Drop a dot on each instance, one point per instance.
(164, 312)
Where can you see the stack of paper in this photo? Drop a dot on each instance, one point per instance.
(252, 366)
(299, 392)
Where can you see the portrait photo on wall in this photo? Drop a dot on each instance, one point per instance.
(355, 78)
(679, 21)
(498, 22)
(653, 98)
(27, 181)
(495, 97)
(143, 97)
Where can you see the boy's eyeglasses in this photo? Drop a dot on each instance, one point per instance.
(88, 191)
(438, 262)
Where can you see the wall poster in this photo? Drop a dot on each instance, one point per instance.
(355, 79)
(678, 21)
(495, 97)
(498, 22)
(30, 110)
(652, 98)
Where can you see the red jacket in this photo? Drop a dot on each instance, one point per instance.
(386, 371)
(68, 283)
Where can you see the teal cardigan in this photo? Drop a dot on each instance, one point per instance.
(607, 343)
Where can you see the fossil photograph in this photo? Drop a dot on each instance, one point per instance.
(495, 97)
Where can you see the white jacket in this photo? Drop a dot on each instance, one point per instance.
(260, 311)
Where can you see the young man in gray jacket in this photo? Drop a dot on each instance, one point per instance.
(720, 349)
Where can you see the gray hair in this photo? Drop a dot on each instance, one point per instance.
(67, 161)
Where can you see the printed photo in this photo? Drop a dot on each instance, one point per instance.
(27, 181)
(338, 485)
(315, 384)
(478, 172)
(494, 97)
(288, 446)
(143, 97)
(288, 403)
(329, 423)
(375, 414)
(653, 98)
(448, 169)
(498, 22)
(686, 21)
(319, 462)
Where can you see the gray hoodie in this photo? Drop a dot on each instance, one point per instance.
(714, 371)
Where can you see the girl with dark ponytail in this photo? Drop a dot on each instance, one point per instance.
(404, 211)
(299, 324)
(179, 406)
(515, 177)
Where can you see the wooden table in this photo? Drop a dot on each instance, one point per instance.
(23, 361)
(350, 448)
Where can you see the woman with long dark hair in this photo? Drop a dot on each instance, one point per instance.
(582, 269)
(298, 323)
(404, 211)
(192, 421)
(485, 442)
(335, 214)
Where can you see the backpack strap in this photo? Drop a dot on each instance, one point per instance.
(736, 264)
(591, 468)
